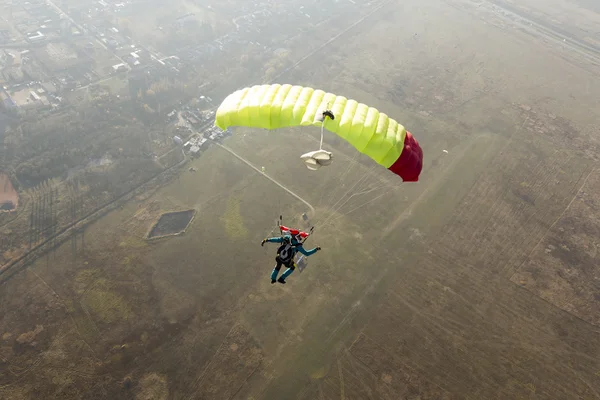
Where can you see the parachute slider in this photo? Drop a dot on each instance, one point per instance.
(311, 164)
(316, 159)
(325, 114)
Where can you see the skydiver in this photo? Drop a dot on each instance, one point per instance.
(290, 245)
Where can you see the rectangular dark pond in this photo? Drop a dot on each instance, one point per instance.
(171, 223)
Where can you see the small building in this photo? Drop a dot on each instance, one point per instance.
(194, 150)
(10, 59)
(133, 61)
(119, 67)
(89, 47)
(24, 99)
(37, 36)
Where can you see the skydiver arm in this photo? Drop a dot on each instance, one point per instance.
(307, 253)
(272, 240)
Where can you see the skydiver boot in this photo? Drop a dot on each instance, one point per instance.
(287, 273)
(274, 275)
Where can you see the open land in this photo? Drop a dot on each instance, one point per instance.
(477, 283)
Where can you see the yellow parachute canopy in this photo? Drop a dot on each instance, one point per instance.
(368, 130)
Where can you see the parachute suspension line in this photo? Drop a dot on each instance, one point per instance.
(334, 209)
(329, 212)
(337, 217)
(359, 191)
(326, 114)
(357, 186)
(279, 221)
(338, 184)
(322, 129)
(277, 224)
(362, 205)
(339, 181)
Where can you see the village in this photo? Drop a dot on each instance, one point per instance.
(48, 50)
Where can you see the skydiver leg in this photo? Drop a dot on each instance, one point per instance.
(276, 270)
(288, 272)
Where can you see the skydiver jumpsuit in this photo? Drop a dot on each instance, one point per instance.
(288, 260)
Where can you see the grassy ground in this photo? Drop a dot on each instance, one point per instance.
(414, 293)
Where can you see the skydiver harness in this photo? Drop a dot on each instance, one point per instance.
(286, 251)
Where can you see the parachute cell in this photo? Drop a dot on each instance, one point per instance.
(370, 131)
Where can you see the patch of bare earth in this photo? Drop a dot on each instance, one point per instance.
(563, 268)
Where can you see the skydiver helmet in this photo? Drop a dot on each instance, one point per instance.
(286, 239)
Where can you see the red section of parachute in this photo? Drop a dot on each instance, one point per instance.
(410, 163)
(293, 232)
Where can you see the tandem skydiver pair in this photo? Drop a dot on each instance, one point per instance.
(291, 243)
